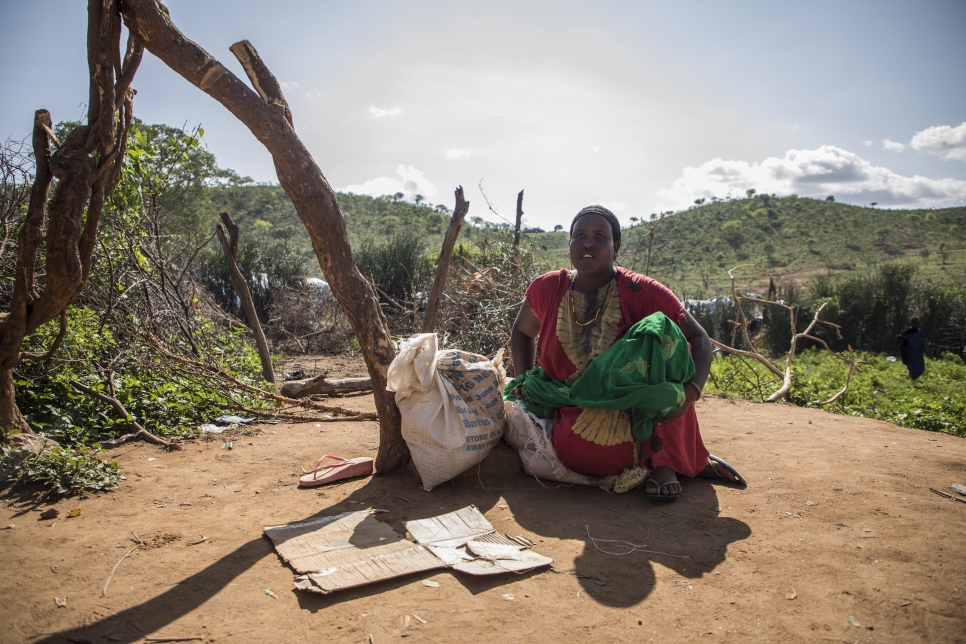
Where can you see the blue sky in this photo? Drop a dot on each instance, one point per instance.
(642, 106)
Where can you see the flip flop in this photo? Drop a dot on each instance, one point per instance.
(715, 461)
(666, 498)
(343, 468)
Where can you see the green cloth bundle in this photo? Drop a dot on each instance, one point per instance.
(644, 371)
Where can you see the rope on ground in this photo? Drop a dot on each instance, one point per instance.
(626, 544)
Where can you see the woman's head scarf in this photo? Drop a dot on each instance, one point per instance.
(615, 225)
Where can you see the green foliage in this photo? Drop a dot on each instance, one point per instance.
(873, 309)
(164, 403)
(398, 268)
(268, 265)
(794, 237)
(879, 389)
(64, 470)
(170, 168)
(731, 231)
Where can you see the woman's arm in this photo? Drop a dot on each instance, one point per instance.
(701, 353)
(522, 344)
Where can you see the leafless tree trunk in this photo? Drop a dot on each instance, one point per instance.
(230, 246)
(15, 169)
(442, 270)
(266, 113)
(87, 164)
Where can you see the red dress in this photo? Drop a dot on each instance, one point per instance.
(677, 445)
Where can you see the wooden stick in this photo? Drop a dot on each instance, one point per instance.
(244, 294)
(516, 227)
(109, 577)
(442, 269)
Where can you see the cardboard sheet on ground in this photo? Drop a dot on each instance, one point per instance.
(354, 549)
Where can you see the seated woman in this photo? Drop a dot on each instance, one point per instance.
(573, 317)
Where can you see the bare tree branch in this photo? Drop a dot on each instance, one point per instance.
(40, 357)
(139, 431)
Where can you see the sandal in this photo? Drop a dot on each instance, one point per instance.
(730, 474)
(343, 468)
(658, 496)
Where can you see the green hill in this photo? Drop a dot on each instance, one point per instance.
(794, 238)
(791, 238)
(267, 209)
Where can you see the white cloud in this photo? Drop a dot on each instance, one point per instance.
(411, 182)
(615, 207)
(289, 86)
(379, 112)
(597, 149)
(868, 143)
(892, 146)
(942, 140)
(825, 171)
(456, 153)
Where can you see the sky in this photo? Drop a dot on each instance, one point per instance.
(640, 106)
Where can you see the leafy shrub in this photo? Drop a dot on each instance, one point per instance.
(942, 310)
(268, 265)
(397, 268)
(162, 401)
(731, 231)
(65, 470)
(879, 388)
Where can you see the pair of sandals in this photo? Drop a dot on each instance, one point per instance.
(719, 467)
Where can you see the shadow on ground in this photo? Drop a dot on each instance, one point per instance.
(616, 539)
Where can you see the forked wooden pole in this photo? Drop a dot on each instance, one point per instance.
(230, 246)
(445, 255)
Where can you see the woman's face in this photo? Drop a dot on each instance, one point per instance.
(592, 246)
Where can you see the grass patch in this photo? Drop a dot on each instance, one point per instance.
(879, 389)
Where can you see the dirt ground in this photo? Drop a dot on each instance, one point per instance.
(837, 538)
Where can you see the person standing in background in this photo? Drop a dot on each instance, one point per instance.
(912, 348)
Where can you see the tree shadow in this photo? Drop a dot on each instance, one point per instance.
(688, 537)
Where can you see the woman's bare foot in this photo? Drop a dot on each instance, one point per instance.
(662, 482)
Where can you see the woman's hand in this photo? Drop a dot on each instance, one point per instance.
(690, 396)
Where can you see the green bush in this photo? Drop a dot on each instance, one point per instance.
(880, 388)
(64, 470)
(398, 268)
(162, 401)
(269, 266)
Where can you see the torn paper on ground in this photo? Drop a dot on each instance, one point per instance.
(354, 549)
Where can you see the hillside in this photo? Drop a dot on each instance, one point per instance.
(791, 238)
(794, 238)
(268, 208)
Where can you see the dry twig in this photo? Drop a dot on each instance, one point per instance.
(109, 577)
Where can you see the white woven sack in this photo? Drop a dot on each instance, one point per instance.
(531, 437)
(451, 404)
